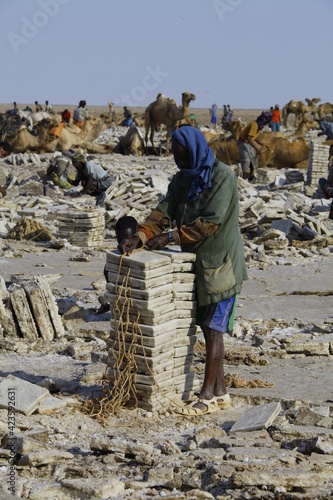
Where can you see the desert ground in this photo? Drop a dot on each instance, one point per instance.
(278, 359)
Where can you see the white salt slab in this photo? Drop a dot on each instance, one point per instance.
(141, 284)
(154, 331)
(138, 260)
(158, 272)
(25, 397)
(157, 291)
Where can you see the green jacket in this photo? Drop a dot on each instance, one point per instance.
(220, 266)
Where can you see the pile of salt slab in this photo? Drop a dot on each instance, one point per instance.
(318, 163)
(159, 317)
(82, 227)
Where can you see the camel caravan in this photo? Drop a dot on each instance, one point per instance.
(43, 132)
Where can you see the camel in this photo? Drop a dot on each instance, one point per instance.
(325, 109)
(299, 109)
(305, 125)
(166, 111)
(69, 140)
(283, 152)
(225, 149)
(24, 140)
(131, 144)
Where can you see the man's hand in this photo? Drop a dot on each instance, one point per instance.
(159, 242)
(127, 246)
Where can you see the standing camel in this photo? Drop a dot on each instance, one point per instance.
(299, 109)
(165, 110)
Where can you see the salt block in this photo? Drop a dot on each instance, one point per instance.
(139, 260)
(156, 332)
(52, 307)
(22, 312)
(40, 309)
(21, 395)
(182, 267)
(7, 320)
(176, 254)
(141, 304)
(137, 283)
(256, 418)
(143, 274)
(158, 291)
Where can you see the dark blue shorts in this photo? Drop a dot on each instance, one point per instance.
(219, 317)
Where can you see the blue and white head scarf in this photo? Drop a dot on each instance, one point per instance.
(201, 159)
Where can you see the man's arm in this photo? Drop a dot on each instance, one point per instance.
(256, 144)
(89, 184)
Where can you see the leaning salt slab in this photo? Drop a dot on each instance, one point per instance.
(7, 324)
(40, 310)
(20, 395)
(22, 312)
(53, 310)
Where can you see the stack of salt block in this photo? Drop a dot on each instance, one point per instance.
(162, 290)
(82, 228)
(318, 163)
(28, 309)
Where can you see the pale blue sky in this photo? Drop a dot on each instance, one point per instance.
(248, 53)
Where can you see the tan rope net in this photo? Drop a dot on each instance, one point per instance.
(118, 387)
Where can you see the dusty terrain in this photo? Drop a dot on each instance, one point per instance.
(283, 338)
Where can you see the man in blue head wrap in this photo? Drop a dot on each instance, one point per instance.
(202, 199)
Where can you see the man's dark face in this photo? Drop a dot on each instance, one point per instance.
(124, 234)
(78, 165)
(181, 155)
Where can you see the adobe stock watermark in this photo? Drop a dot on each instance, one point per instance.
(223, 7)
(30, 27)
(152, 79)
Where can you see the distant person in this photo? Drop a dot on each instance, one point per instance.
(128, 115)
(326, 128)
(225, 114)
(94, 179)
(5, 150)
(66, 116)
(249, 146)
(80, 114)
(276, 120)
(229, 112)
(111, 112)
(271, 109)
(59, 167)
(48, 107)
(326, 186)
(15, 107)
(213, 114)
(38, 107)
(193, 120)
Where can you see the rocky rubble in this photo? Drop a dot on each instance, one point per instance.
(278, 358)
